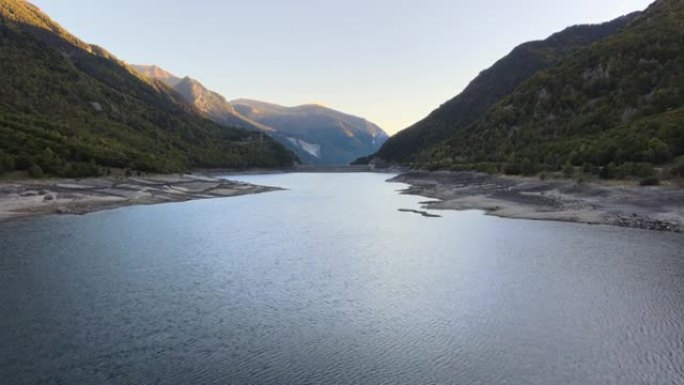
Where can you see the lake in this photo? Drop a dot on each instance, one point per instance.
(328, 282)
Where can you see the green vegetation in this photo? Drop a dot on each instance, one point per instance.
(489, 87)
(613, 109)
(650, 181)
(71, 109)
(338, 137)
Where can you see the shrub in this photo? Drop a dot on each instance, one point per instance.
(489, 168)
(82, 170)
(512, 169)
(618, 173)
(644, 170)
(678, 169)
(527, 167)
(6, 162)
(35, 171)
(568, 170)
(650, 181)
(607, 172)
(660, 150)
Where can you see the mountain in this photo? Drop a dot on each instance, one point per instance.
(155, 72)
(318, 135)
(211, 104)
(491, 85)
(617, 106)
(70, 108)
(330, 136)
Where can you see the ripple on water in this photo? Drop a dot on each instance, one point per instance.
(328, 283)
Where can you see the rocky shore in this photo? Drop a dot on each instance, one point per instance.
(653, 207)
(71, 196)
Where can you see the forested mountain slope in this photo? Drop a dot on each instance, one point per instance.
(492, 85)
(616, 104)
(70, 108)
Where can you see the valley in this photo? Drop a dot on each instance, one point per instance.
(211, 219)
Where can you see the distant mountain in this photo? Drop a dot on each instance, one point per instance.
(318, 135)
(492, 85)
(70, 108)
(209, 103)
(617, 104)
(330, 136)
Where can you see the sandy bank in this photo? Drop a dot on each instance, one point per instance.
(70, 196)
(653, 208)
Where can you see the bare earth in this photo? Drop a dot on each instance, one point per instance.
(653, 208)
(71, 196)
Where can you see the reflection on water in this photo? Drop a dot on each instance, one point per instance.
(328, 283)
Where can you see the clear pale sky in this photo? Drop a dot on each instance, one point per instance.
(389, 61)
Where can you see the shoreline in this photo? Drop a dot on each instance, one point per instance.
(313, 169)
(21, 198)
(38, 197)
(651, 208)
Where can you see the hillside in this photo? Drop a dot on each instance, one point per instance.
(329, 136)
(491, 85)
(211, 104)
(156, 72)
(318, 135)
(72, 109)
(617, 106)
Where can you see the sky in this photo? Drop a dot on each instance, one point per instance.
(389, 61)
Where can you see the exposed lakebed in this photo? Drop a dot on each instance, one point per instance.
(328, 282)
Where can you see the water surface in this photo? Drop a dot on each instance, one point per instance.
(328, 283)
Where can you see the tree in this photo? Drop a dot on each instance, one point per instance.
(6, 162)
(661, 152)
(568, 170)
(608, 171)
(527, 167)
(35, 171)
